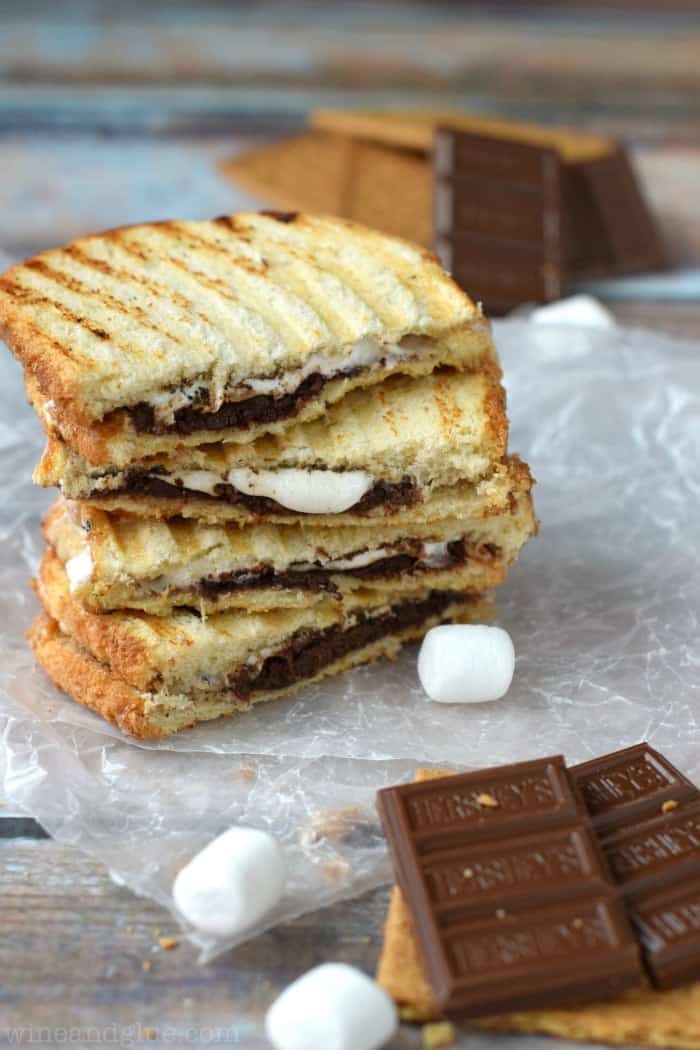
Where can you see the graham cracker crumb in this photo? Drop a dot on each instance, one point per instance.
(332, 824)
(410, 1014)
(167, 943)
(487, 800)
(335, 870)
(669, 805)
(149, 1033)
(439, 1034)
(146, 965)
(248, 773)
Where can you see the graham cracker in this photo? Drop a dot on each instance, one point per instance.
(306, 172)
(368, 182)
(643, 1017)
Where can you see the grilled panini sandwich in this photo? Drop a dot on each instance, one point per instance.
(375, 453)
(115, 561)
(155, 675)
(282, 449)
(141, 340)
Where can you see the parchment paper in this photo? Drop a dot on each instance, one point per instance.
(602, 607)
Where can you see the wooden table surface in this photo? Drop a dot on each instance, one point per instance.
(111, 115)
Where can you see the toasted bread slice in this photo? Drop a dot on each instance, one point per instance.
(120, 561)
(153, 676)
(141, 339)
(385, 448)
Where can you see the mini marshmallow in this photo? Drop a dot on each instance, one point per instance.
(577, 310)
(466, 663)
(232, 883)
(332, 1007)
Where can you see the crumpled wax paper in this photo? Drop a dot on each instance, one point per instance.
(602, 608)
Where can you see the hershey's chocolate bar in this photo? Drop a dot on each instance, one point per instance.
(515, 222)
(630, 785)
(511, 899)
(497, 207)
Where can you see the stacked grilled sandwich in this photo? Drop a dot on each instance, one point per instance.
(281, 445)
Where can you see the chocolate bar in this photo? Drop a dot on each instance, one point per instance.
(511, 898)
(648, 815)
(497, 217)
(607, 227)
(515, 221)
(628, 786)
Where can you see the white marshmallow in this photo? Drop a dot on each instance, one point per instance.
(306, 491)
(332, 1007)
(79, 568)
(199, 480)
(466, 663)
(577, 309)
(231, 883)
(355, 561)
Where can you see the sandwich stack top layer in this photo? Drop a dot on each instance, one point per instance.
(143, 339)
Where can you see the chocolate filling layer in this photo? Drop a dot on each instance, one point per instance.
(390, 496)
(261, 408)
(308, 653)
(320, 579)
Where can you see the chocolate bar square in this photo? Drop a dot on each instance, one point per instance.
(625, 787)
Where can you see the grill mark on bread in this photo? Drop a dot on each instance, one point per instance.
(326, 261)
(163, 290)
(207, 284)
(281, 216)
(380, 261)
(36, 298)
(271, 315)
(159, 291)
(291, 251)
(118, 273)
(78, 287)
(30, 295)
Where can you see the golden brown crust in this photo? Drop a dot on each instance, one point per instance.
(73, 671)
(127, 655)
(42, 357)
(645, 1018)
